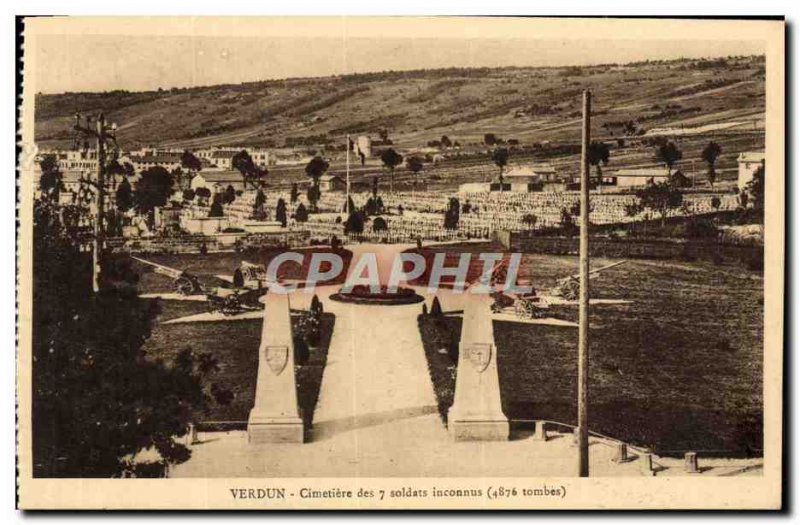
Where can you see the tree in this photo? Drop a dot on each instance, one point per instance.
(97, 399)
(668, 154)
(238, 278)
(313, 195)
(124, 196)
(315, 307)
(188, 195)
(445, 141)
(660, 198)
(391, 159)
(371, 207)
(500, 159)
(598, 154)
(113, 170)
(152, 190)
(490, 139)
(414, 165)
(530, 220)
(256, 177)
(379, 225)
(633, 210)
(355, 223)
(315, 169)
(190, 162)
(294, 194)
(280, 212)
(230, 195)
(216, 207)
(51, 181)
(258, 206)
(203, 194)
(451, 215)
(301, 213)
(709, 155)
(374, 187)
(244, 164)
(436, 307)
(349, 206)
(567, 222)
(755, 190)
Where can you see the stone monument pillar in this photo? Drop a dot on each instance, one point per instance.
(275, 417)
(477, 414)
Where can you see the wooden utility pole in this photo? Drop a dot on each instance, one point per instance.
(583, 320)
(102, 134)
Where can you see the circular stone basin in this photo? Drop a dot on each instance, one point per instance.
(361, 294)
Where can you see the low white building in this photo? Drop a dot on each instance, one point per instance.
(529, 178)
(168, 161)
(332, 183)
(749, 162)
(217, 181)
(637, 177)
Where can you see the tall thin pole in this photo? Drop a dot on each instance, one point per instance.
(583, 321)
(347, 176)
(97, 246)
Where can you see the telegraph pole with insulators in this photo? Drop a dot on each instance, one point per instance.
(102, 134)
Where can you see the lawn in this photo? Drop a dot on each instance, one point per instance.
(678, 369)
(234, 343)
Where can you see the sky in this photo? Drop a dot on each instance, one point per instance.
(102, 62)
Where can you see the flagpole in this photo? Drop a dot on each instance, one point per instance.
(583, 315)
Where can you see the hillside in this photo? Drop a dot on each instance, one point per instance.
(527, 104)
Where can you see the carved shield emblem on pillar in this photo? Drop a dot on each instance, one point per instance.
(479, 354)
(277, 357)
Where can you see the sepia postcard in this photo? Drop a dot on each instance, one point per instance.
(400, 263)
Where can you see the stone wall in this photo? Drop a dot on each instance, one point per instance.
(635, 248)
(223, 242)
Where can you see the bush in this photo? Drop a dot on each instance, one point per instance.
(436, 308)
(379, 225)
(452, 349)
(697, 229)
(301, 353)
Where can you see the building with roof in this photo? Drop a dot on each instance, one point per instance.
(222, 157)
(637, 177)
(332, 183)
(142, 162)
(530, 178)
(749, 162)
(217, 181)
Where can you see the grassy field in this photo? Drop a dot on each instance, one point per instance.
(678, 369)
(234, 343)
